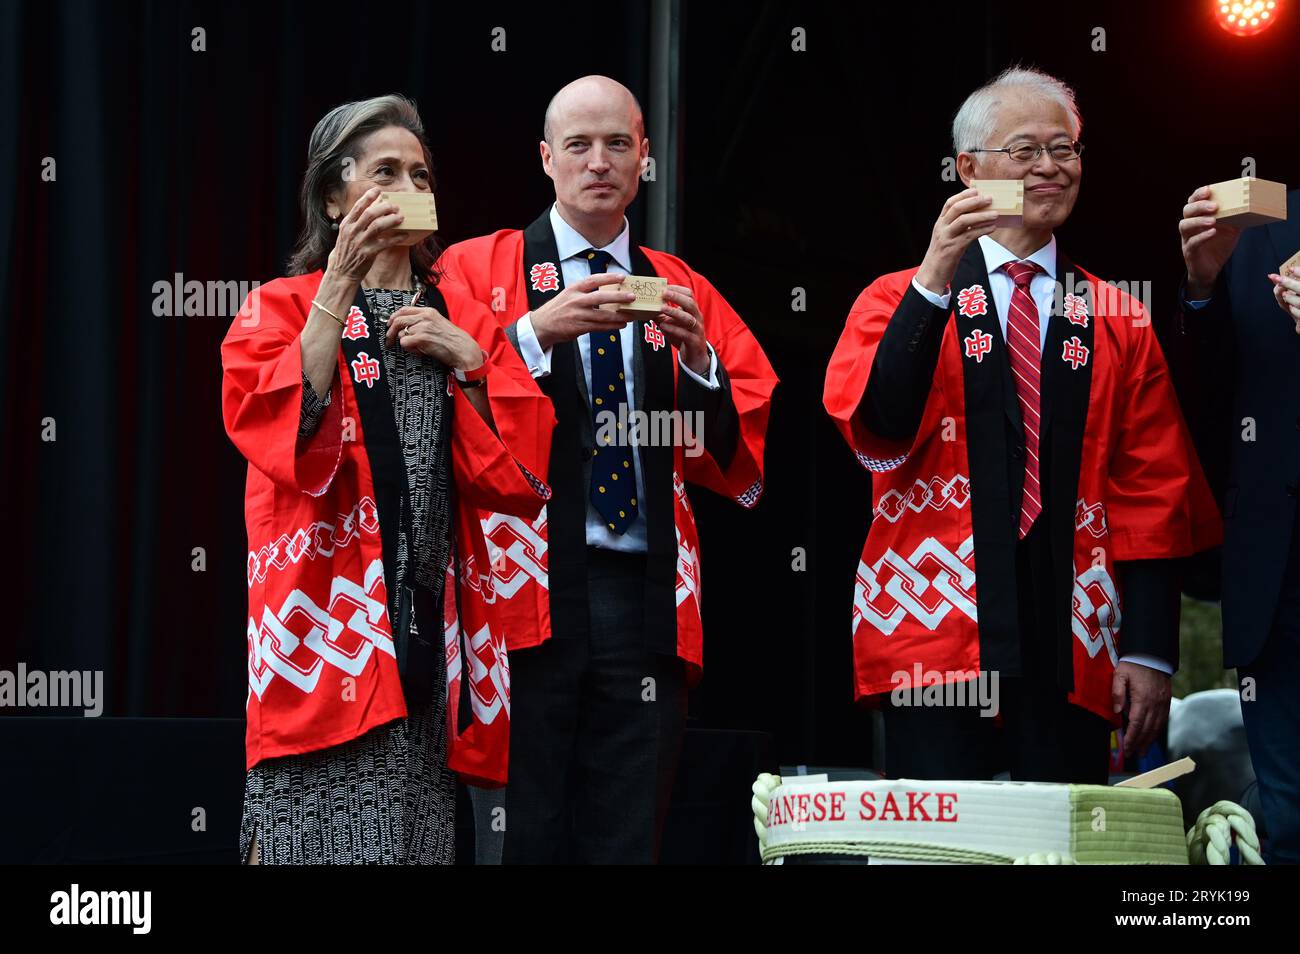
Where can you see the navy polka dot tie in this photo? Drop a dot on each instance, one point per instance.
(613, 481)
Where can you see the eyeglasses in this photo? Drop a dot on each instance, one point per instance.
(1030, 151)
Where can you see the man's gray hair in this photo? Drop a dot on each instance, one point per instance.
(975, 122)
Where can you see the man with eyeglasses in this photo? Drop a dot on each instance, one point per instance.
(1033, 479)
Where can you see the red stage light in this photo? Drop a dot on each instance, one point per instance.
(1246, 17)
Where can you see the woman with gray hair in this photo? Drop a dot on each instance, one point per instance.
(377, 411)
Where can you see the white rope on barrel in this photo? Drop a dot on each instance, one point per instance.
(1045, 858)
(762, 788)
(1210, 840)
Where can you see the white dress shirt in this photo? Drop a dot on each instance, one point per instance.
(574, 267)
(1042, 288)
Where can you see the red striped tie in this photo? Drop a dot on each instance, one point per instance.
(1026, 360)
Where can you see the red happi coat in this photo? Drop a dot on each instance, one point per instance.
(1140, 491)
(492, 267)
(322, 667)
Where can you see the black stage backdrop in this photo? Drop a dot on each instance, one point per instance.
(816, 169)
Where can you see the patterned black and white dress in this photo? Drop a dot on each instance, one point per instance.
(386, 796)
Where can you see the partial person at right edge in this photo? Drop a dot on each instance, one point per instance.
(1238, 326)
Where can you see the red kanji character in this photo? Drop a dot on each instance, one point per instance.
(1075, 308)
(1075, 352)
(354, 325)
(972, 302)
(545, 277)
(978, 344)
(365, 369)
(653, 336)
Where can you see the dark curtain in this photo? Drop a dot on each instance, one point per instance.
(168, 161)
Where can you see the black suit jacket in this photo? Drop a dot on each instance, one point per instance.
(1240, 383)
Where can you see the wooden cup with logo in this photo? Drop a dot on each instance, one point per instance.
(649, 291)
